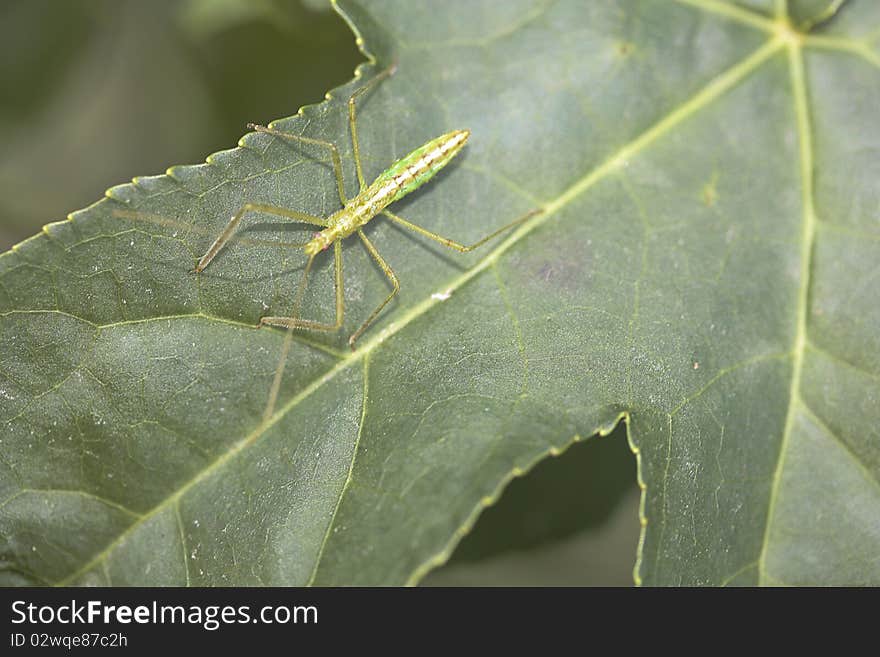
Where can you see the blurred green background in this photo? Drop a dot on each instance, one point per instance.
(94, 92)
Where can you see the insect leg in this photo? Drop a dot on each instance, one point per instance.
(293, 322)
(308, 324)
(334, 152)
(167, 222)
(237, 217)
(456, 245)
(392, 277)
(352, 119)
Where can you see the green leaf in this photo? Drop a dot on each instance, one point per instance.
(705, 271)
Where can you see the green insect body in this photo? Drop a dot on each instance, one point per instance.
(404, 176)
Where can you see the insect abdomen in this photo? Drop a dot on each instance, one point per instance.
(411, 172)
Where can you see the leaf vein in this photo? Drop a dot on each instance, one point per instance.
(819, 422)
(808, 232)
(348, 477)
(732, 12)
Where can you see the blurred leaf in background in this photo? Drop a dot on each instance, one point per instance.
(95, 92)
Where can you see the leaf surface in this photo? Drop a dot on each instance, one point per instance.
(705, 270)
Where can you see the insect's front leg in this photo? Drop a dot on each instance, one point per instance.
(239, 215)
(352, 119)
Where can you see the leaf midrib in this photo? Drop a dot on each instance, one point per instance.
(795, 43)
(808, 236)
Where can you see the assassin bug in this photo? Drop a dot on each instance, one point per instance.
(404, 176)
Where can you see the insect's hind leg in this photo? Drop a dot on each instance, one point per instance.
(239, 215)
(334, 152)
(352, 119)
(391, 276)
(295, 322)
(457, 245)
